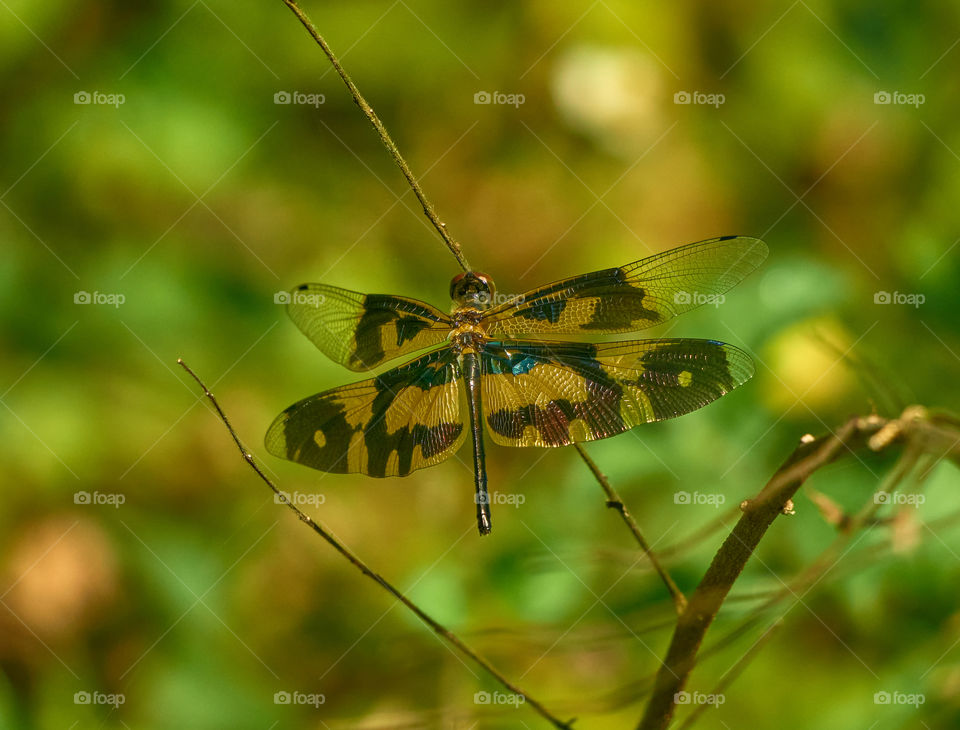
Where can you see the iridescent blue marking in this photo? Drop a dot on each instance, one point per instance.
(522, 364)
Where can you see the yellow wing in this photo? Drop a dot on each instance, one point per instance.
(361, 331)
(632, 297)
(408, 418)
(559, 393)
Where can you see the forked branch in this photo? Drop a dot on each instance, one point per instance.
(916, 427)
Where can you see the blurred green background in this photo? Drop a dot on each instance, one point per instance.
(180, 212)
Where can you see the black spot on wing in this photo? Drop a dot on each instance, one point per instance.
(541, 311)
(619, 309)
(369, 345)
(709, 372)
(600, 410)
(551, 421)
(548, 302)
(327, 415)
(434, 370)
(409, 327)
(383, 312)
(600, 413)
(706, 359)
(381, 443)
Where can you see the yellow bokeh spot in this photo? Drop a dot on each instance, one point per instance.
(685, 378)
(806, 360)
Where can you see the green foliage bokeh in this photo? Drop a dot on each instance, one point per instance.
(198, 198)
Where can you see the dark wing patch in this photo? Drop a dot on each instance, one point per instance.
(632, 297)
(361, 331)
(559, 393)
(405, 419)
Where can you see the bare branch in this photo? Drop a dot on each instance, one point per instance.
(758, 514)
(384, 135)
(439, 629)
(614, 502)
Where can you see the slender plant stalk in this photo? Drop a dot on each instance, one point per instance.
(806, 580)
(730, 560)
(438, 628)
(731, 674)
(826, 562)
(614, 502)
(384, 135)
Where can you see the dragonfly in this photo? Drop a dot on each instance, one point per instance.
(490, 367)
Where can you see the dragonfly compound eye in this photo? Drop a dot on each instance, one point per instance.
(473, 289)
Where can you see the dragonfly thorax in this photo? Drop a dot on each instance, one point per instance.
(472, 289)
(469, 332)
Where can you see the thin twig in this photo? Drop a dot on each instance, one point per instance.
(729, 562)
(798, 587)
(825, 563)
(731, 674)
(614, 502)
(384, 135)
(440, 630)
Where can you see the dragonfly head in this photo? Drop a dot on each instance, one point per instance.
(472, 289)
